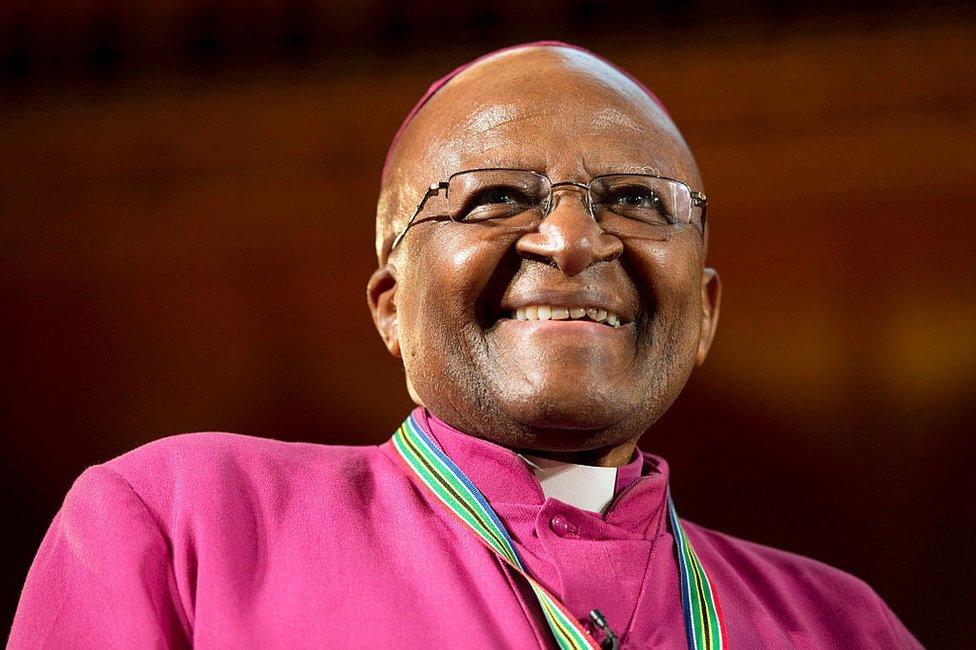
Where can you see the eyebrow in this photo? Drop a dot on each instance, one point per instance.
(628, 168)
(602, 167)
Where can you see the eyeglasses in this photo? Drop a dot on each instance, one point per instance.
(629, 205)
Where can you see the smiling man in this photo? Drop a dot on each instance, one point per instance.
(541, 235)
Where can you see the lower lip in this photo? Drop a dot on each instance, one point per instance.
(577, 327)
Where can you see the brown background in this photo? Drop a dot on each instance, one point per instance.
(186, 200)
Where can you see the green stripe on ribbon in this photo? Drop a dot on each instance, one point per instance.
(703, 621)
(460, 493)
(448, 493)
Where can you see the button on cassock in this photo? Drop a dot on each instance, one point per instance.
(562, 527)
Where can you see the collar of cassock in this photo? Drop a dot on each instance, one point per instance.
(586, 487)
(622, 502)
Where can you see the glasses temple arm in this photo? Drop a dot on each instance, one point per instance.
(431, 191)
(700, 199)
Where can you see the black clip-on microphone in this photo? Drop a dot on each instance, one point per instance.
(609, 641)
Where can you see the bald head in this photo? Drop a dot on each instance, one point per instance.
(501, 109)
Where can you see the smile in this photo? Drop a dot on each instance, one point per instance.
(557, 312)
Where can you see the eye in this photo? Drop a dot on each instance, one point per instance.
(635, 200)
(496, 196)
(497, 201)
(637, 197)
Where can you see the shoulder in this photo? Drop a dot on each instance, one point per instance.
(758, 559)
(824, 600)
(208, 452)
(209, 469)
(215, 449)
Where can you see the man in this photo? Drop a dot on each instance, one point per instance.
(541, 235)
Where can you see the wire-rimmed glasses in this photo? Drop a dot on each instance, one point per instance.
(630, 205)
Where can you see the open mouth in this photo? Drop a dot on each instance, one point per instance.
(558, 312)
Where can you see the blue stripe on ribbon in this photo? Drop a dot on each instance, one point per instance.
(459, 475)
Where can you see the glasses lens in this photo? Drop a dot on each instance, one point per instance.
(647, 199)
(486, 194)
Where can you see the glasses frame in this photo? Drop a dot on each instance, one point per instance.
(698, 199)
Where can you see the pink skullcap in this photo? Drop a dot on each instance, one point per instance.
(440, 83)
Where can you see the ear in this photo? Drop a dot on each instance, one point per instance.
(381, 298)
(711, 298)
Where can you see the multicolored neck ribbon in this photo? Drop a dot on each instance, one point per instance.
(445, 481)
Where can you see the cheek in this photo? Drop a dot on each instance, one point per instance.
(443, 278)
(669, 276)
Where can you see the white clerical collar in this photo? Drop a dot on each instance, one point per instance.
(584, 486)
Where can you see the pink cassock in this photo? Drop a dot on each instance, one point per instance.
(216, 540)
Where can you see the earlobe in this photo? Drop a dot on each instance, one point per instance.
(711, 298)
(381, 298)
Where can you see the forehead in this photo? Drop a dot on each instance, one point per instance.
(554, 110)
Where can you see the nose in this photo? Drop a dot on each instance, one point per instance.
(569, 236)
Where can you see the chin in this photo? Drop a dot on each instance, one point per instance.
(578, 410)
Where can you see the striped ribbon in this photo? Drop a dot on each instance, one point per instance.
(704, 624)
(449, 485)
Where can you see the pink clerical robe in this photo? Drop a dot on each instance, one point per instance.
(216, 540)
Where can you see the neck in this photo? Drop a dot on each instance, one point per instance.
(601, 457)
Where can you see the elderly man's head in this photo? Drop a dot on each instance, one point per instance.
(463, 301)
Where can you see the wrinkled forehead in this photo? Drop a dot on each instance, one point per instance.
(515, 106)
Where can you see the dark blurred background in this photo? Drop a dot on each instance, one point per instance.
(187, 190)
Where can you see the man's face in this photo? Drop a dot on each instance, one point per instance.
(454, 289)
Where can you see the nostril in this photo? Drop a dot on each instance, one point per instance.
(536, 256)
(569, 238)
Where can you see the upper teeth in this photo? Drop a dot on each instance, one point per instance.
(551, 312)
